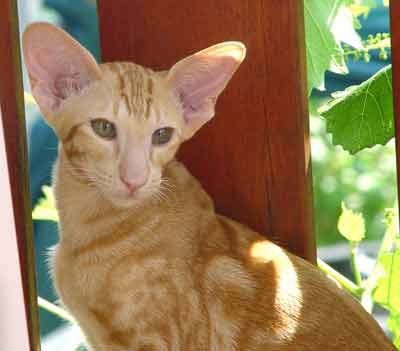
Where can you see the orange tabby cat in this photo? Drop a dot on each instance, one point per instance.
(144, 262)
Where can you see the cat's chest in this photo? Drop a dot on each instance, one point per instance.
(121, 281)
(120, 299)
(75, 281)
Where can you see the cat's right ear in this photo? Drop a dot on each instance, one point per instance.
(58, 66)
(199, 79)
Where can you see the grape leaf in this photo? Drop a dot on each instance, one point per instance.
(387, 289)
(387, 292)
(326, 22)
(362, 116)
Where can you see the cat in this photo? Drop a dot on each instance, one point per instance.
(143, 262)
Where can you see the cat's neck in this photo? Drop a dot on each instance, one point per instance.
(85, 214)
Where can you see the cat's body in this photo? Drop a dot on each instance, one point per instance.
(144, 263)
(175, 276)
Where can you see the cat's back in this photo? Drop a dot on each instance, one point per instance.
(260, 297)
(283, 302)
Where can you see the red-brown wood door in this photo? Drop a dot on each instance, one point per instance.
(254, 157)
(395, 39)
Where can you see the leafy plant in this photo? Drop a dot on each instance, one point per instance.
(382, 286)
(358, 118)
(362, 116)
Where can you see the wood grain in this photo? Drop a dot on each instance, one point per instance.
(395, 39)
(254, 157)
(12, 107)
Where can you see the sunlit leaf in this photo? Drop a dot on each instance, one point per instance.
(387, 292)
(362, 116)
(351, 225)
(394, 326)
(343, 28)
(327, 23)
(45, 210)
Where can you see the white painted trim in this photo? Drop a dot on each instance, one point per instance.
(13, 324)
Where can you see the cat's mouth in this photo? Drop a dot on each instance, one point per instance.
(127, 198)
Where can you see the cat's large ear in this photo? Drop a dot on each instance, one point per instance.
(198, 79)
(58, 66)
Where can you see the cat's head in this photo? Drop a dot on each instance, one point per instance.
(120, 123)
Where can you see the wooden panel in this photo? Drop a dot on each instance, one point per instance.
(13, 119)
(253, 158)
(395, 38)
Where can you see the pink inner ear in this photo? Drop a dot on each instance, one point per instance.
(58, 66)
(54, 80)
(198, 80)
(207, 80)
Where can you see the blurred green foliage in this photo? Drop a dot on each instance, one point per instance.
(366, 182)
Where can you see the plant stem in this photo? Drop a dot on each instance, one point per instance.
(367, 301)
(356, 272)
(382, 44)
(341, 279)
(54, 309)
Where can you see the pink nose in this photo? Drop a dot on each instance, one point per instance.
(133, 185)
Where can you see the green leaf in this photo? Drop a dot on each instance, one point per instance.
(362, 116)
(45, 210)
(387, 292)
(351, 225)
(327, 23)
(394, 326)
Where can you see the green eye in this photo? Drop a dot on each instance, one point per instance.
(104, 128)
(162, 136)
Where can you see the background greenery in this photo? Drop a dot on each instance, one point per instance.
(366, 182)
(341, 39)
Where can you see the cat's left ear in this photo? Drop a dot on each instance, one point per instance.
(58, 66)
(198, 80)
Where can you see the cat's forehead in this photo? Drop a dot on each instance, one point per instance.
(133, 88)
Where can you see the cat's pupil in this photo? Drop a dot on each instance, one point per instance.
(104, 128)
(162, 135)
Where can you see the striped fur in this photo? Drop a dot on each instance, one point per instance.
(161, 270)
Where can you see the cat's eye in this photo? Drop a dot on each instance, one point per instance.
(104, 128)
(162, 136)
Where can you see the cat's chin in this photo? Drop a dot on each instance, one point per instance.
(127, 200)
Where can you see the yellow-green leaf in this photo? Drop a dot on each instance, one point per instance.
(351, 225)
(387, 292)
(45, 210)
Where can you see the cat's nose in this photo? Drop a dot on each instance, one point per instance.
(132, 185)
